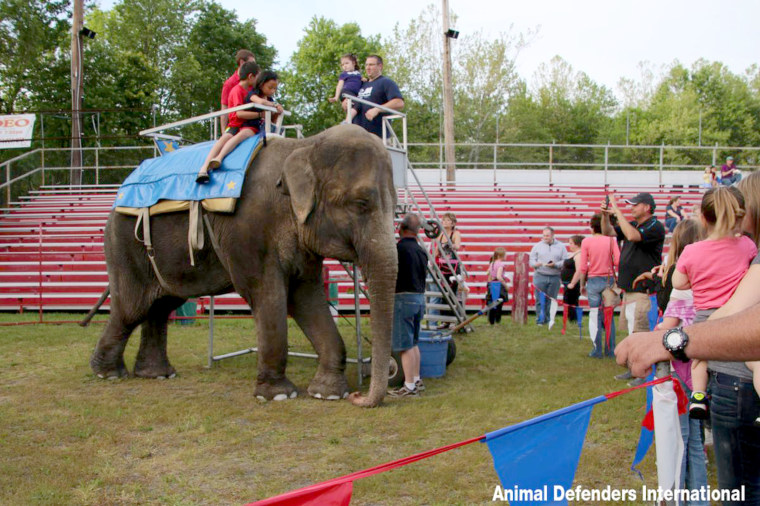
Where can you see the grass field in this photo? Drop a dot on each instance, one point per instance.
(202, 438)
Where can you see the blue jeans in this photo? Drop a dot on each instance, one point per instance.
(729, 180)
(693, 465)
(594, 288)
(408, 311)
(548, 285)
(733, 408)
(670, 223)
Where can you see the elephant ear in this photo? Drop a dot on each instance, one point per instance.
(299, 182)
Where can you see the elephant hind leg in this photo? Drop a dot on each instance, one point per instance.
(152, 359)
(107, 360)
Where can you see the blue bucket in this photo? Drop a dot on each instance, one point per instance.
(433, 352)
(494, 288)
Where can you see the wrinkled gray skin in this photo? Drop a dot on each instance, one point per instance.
(330, 195)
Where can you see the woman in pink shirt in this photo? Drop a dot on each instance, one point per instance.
(598, 260)
(713, 269)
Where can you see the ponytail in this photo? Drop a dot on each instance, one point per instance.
(723, 208)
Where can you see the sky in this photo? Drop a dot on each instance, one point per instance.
(605, 39)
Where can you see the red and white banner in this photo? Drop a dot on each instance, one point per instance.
(16, 130)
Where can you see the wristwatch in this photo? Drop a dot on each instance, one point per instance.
(675, 341)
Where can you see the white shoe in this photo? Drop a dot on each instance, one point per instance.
(551, 324)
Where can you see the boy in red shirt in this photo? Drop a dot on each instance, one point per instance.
(241, 57)
(236, 131)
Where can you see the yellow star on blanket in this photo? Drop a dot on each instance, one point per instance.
(231, 185)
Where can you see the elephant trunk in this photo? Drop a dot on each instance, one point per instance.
(379, 266)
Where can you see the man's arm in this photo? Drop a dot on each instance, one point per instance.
(395, 103)
(224, 118)
(734, 338)
(533, 257)
(629, 231)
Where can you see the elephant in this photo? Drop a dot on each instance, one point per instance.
(329, 195)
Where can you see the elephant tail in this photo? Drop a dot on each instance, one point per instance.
(86, 321)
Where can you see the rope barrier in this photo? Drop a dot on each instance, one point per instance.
(298, 493)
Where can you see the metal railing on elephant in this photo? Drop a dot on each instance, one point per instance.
(268, 111)
(397, 147)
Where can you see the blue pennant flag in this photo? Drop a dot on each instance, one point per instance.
(647, 431)
(536, 459)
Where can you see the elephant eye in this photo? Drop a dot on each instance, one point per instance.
(362, 204)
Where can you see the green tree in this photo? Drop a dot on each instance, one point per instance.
(30, 32)
(310, 77)
(207, 59)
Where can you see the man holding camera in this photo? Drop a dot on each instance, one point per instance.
(642, 238)
(546, 258)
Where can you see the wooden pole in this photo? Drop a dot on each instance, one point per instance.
(520, 287)
(448, 101)
(77, 23)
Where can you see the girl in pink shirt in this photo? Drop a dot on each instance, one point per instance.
(713, 269)
(497, 274)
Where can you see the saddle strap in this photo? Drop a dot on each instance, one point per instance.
(211, 235)
(143, 218)
(195, 240)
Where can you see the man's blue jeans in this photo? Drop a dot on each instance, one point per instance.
(408, 311)
(733, 409)
(729, 180)
(549, 286)
(693, 465)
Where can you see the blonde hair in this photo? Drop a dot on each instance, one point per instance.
(498, 254)
(451, 216)
(723, 209)
(750, 188)
(686, 232)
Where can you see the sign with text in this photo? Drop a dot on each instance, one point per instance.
(16, 130)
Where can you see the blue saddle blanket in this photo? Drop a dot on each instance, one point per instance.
(172, 176)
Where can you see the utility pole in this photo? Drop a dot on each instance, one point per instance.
(448, 98)
(77, 85)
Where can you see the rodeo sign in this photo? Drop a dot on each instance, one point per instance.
(16, 130)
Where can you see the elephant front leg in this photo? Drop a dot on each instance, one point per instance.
(312, 313)
(270, 311)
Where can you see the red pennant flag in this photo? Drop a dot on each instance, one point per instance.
(327, 495)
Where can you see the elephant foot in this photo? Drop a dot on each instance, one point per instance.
(108, 371)
(276, 390)
(331, 387)
(155, 371)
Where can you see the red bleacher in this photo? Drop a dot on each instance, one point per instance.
(51, 241)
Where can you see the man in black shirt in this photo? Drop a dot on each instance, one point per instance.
(409, 306)
(642, 238)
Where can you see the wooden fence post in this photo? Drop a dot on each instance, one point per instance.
(520, 286)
